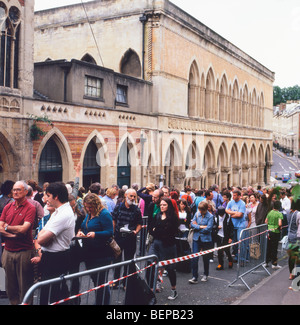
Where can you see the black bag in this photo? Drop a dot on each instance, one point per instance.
(138, 292)
(183, 249)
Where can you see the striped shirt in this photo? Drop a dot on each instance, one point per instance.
(131, 216)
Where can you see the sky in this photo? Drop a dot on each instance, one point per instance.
(267, 30)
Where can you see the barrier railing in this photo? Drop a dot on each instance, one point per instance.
(252, 250)
(105, 290)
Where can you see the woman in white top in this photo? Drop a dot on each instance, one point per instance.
(185, 216)
(251, 210)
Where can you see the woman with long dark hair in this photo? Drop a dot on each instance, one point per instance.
(165, 229)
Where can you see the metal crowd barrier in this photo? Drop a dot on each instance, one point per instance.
(252, 251)
(98, 286)
(141, 238)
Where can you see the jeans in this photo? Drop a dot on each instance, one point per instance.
(198, 245)
(236, 238)
(165, 253)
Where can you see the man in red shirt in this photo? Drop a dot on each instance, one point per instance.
(16, 223)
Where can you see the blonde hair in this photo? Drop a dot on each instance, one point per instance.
(94, 200)
(150, 187)
(111, 191)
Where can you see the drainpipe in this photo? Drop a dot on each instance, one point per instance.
(143, 20)
(66, 67)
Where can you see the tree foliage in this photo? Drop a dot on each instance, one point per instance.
(282, 95)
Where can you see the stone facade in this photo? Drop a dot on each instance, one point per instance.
(286, 128)
(206, 111)
(16, 98)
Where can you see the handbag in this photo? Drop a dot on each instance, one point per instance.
(285, 242)
(190, 237)
(115, 247)
(255, 251)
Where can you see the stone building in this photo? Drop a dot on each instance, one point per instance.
(286, 128)
(139, 91)
(16, 88)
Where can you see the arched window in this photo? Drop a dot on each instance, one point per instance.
(124, 166)
(193, 90)
(88, 58)
(9, 50)
(91, 166)
(131, 64)
(50, 169)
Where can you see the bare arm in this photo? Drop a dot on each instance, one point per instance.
(45, 237)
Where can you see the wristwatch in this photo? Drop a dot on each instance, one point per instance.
(6, 228)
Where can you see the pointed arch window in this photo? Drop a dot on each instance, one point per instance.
(50, 169)
(9, 50)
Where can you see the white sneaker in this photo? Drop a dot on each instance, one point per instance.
(173, 295)
(193, 280)
(204, 278)
(276, 267)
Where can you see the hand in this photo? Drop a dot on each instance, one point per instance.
(90, 235)
(80, 234)
(35, 260)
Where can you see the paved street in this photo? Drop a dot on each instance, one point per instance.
(283, 165)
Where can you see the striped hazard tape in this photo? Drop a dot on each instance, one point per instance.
(201, 253)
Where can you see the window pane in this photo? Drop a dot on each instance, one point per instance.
(93, 87)
(122, 94)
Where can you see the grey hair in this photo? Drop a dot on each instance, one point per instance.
(130, 190)
(25, 185)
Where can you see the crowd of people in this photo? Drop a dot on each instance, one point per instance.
(48, 232)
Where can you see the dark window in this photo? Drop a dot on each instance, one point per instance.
(9, 52)
(91, 165)
(50, 163)
(121, 94)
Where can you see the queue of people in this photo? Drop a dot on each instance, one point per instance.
(61, 225)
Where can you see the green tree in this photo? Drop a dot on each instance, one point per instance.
(282, 95)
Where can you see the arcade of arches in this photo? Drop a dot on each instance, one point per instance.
(182, 161)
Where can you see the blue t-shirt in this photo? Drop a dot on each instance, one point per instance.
(237, 207)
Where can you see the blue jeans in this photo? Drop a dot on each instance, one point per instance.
(198, 245)
(236, 238)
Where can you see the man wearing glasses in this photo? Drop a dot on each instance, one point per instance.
(16, 225)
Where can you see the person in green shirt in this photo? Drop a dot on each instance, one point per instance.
(274, 222)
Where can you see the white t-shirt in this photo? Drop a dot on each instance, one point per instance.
(221, 223)
(62, 225)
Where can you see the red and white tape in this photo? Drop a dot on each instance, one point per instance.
(101, 286)
(201, 253)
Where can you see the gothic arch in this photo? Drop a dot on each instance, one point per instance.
(9, 160)
(194, 90)
(130, 64)
(173, 164)
(245, 109)
(223, 167)
(88, 58)
(235, 102)
(245, 166)
(223, 95)
(102, 158)
(235, 165)
(209, 95)
(253, 165)
(65, 152)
